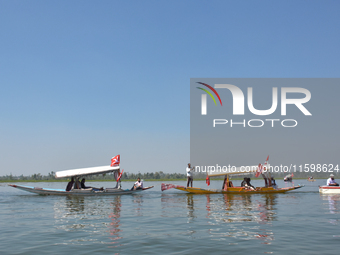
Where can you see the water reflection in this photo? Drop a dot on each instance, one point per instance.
(241, 216)
(91, 219)
(138, 200)
(115, 225)
(333, 202)
(173, 203)
(190, 206)
(75, 204)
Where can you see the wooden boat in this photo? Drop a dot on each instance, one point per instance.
(228, 186)
(311, 180)
(236, 190)
(78, 192)
(329, 189)
(83, 172)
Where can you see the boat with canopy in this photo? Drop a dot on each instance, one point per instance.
(75, 188)
(228, 186)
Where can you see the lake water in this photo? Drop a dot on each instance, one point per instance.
(170, 222)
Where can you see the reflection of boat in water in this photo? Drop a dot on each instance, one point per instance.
(329, 189)
(229, 188)
(87, 191)
(242, 217)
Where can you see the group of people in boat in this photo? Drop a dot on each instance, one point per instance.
(269, 182)
(76, 184)
(246, 184)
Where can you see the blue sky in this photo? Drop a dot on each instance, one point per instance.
(82, 81)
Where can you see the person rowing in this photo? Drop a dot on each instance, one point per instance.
(138, 184)
(189, 171)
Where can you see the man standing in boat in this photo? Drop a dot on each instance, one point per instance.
(189, 174)
(331, 181)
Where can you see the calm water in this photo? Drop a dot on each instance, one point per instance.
(170, 222)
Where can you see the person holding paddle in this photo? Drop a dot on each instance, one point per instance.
(190, 175)
(138, 184)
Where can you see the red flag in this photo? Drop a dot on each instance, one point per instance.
(115, 161)
(207, 180)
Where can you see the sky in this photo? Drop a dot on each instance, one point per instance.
(83, 81)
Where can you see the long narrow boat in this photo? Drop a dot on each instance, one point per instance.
(77, 192)
(233, 190)
(329, 189)
(228, 186)
(83, 172)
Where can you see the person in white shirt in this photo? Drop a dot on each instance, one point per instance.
(331, 182)
(189, 174)
(138, 185)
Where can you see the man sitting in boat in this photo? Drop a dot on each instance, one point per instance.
(227, 184)
(248, 185)
(273, 183)
(138, 185)
(244, 182)
(331, 181)
(70, 185)
(82, 185)
(77, 184)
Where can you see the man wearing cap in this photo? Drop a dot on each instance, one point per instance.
(331, 182)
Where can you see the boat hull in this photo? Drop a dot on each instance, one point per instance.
(78, 192)
(238, 190)
(329, 189)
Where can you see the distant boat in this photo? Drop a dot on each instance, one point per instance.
(311, 179)
(82, 172)
(329, 189)
(288, 178)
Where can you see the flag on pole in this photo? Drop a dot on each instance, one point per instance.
(259, 170)
(115, 161)
(120, 175)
